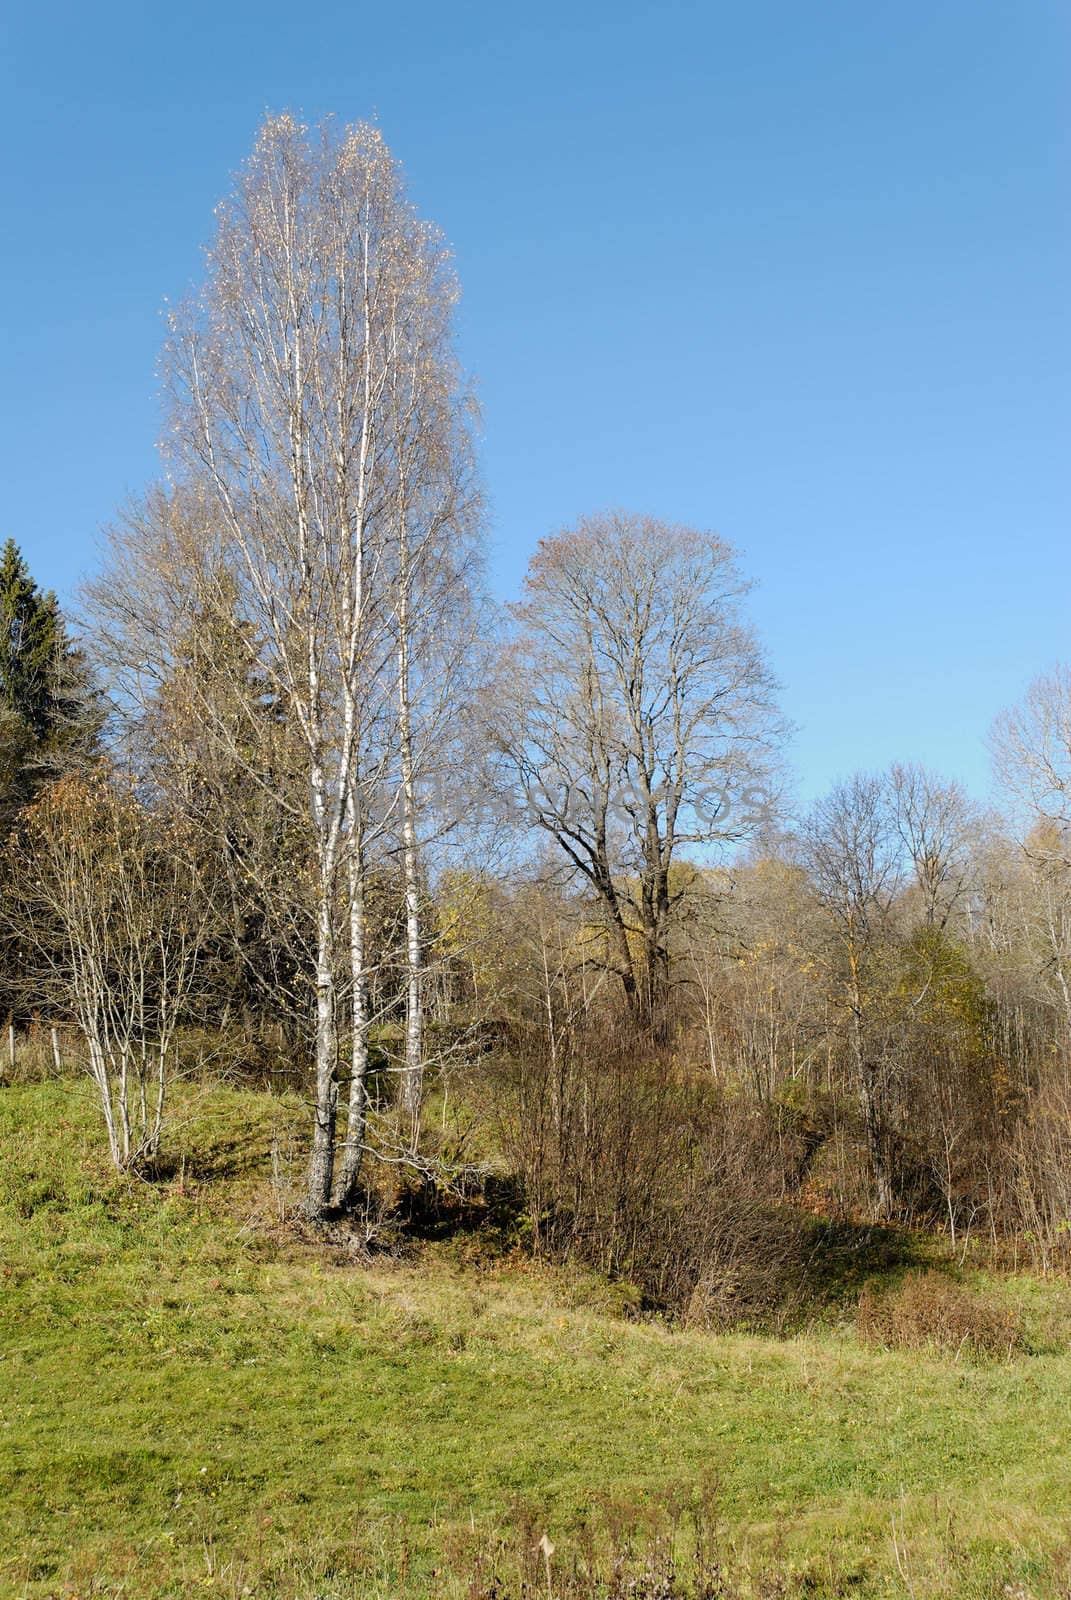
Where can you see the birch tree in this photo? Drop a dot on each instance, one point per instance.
(298, 385)
(107, 910)
(435, 621)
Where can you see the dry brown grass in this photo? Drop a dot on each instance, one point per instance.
(929, 1310)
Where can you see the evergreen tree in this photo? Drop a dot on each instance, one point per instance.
(50, 716)
(220, 753)
(29, 639)
(50, 724)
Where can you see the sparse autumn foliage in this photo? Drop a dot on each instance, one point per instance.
(108, 914)
(871, 1018)
(633, 711)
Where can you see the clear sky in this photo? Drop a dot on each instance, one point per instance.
(797, 272)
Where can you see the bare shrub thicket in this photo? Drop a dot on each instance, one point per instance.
(929, 1309)
(110, 917)
(651, 1172)
(1038, 1177)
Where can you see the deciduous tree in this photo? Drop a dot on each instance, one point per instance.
(319, 428)
(107, 910)
(635, 711)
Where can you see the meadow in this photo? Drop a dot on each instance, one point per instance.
(196, 1396)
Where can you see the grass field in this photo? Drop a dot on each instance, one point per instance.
(195, 1400)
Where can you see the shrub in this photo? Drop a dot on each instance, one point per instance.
(930, 1310)
(653, 1174)
(751, 1260)
(1039, 1169)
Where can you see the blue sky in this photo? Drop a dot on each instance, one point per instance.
(795, 272)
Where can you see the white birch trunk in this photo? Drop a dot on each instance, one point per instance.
(357, 1113)
(413, 1077)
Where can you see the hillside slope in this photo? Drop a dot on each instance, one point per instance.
(193, 1398)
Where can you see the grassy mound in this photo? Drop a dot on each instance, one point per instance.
(195, 1400)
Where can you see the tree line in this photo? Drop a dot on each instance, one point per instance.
(301, 785)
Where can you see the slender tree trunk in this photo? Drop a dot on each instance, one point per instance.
(354, 642)
(656, 984)
(322, 1160)
(413, 1080)
(876, 1139)
(124, 1101)
(99, 1070)
(868, 1078)
(357, 1111)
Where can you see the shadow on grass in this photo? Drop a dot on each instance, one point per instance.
(770, 1268)
(495, 1216)
(213, 1157)
(845, 1256)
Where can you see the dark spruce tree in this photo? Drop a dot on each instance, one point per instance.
(50, 714)
(50, 723)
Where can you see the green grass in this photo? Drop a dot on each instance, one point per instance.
(193, 1400)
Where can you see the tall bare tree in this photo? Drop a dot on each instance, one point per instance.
(433, 571)
(1031, 744)
(635, 712)
(313, 396)
(934, 820)
(850, 847)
